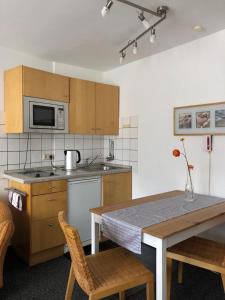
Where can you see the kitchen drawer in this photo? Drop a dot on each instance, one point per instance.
(47, 187)
(46, 234)
(48, 206)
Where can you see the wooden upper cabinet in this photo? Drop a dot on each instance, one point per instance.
(117, 188)
(24, 81)
(82, 106)
(41, 84)
(93, 108)
(107, 109)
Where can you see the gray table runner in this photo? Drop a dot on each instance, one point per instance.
(124, 226)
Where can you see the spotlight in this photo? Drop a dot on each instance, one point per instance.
(122, 57)
(144, 22)
(106, 8)
(135, 48)
(152, 36)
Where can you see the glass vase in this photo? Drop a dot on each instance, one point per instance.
(189, 189)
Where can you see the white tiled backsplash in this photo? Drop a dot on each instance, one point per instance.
(126, 143)
(13, 147)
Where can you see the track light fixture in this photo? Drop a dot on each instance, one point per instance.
(135, 48)
(161, 13)
(152, 36)
(105, 10)
(144, 22)
(122, 57)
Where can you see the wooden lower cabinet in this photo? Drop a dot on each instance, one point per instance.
(38, 236)
(117, 188)
(46, 234)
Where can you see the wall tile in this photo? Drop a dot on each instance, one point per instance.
(88, 143)
(13, 158)
(35, 144)
(47, 144)
(13, 144)
(35, 156)
(79, 143)
(23, 144)
(59, 144)
(59, 155)
(3, 158)
(69, 143)
(3, 144)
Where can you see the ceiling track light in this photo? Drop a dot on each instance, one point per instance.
(144, 22)
(152, 36)
(105, 10)
(122, 56)
(161, 13)
(135, 48)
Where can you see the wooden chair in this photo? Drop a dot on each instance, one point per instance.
(196, 251)
(6, 232)
(106, 273)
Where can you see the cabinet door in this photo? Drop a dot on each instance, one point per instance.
(117, 188)
(82, 106)
(46, 234)
(41, 84)
(48, 206)
(107, 109)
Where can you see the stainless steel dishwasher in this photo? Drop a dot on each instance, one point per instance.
(83, 194)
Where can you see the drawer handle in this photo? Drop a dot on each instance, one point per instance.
(51, 199)
(50, 225)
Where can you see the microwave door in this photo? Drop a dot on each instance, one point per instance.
(43, 115)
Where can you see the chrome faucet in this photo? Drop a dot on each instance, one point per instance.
(111, 151)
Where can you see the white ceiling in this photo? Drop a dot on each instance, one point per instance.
(73, 31)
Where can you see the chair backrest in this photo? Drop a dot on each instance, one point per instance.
(6, 232)
(79, 263)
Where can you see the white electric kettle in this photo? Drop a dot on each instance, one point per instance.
(72, 158)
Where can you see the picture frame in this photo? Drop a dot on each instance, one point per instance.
(202, 119)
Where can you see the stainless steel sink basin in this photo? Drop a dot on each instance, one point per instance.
(100, 167)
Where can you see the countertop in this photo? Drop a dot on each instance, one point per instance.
(60, 173)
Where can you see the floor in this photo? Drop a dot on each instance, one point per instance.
(48, 281)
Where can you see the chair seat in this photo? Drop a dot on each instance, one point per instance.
(200, 252)
(117, 268)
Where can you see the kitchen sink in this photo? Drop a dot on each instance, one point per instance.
(100, 167)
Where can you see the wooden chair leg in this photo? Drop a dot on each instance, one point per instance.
(223, 280)
(180, 272)
(70, 285)
(150, 293)
(169, 276)
(122, 296)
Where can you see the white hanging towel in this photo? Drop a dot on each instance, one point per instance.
(16, 199)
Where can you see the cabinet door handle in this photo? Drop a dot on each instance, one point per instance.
(52, 199)
(50, 225)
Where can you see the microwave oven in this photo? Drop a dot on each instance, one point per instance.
(46, 116)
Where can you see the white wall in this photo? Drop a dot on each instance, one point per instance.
(189, 74)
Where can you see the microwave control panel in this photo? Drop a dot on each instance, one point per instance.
(61, 117)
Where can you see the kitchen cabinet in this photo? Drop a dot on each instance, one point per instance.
(117, 188)
(38, 236)
(24, 81)
(107, 109)
(93, 108)
(82, 106)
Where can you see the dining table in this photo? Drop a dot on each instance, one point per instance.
(163, 234)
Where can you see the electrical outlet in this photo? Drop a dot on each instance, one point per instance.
(47, 156)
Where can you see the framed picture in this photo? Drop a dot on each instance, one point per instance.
(204, 119)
